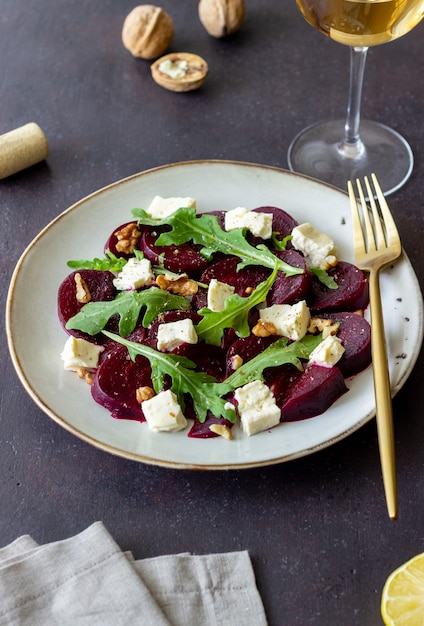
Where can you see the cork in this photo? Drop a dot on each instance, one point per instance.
(22, 147)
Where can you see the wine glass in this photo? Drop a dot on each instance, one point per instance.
(339, 150)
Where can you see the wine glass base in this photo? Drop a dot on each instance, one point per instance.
(316, 152)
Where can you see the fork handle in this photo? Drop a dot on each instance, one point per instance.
(383, 398)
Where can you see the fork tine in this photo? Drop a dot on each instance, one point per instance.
(379, 236)
(392, 234)
(369, 238)
(358, 235)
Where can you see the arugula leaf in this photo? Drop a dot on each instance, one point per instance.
(205, 230)
(234, 315)
(94, 316)
(280, 244)
(110, 262)
(203, 388)
(278, 353)
(324, 277)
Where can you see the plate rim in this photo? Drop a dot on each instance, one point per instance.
(150, 460)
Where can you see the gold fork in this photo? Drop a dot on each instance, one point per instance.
(376, 245)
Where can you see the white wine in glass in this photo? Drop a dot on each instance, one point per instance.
(339, 150)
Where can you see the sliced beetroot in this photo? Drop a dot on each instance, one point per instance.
(200, 299)
(351, 293)
(139, 335)
(116, 381)
(244, 280)
(282, 225)
(281, 379)
(282, 222)
(209, 359)
(99, 284)
(201, 430)
(313, 393)
(355, 335)
(291, 289)
(178, 259)
(134, 235)
(245, 349)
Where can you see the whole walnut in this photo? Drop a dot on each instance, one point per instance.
(221, 17)
(147, 31)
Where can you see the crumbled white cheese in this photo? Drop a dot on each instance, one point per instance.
(174, 69)
(259, 224)
(290, 320)
(135, 274)
(217, 294)
(79, 352)
(327, 353)
(257, 407)
(162, 207)
(163, 413)
(315, 245)
(173, 334)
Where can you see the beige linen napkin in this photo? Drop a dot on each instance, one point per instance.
(87, 579)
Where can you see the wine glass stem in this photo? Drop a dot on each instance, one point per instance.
(351, 146)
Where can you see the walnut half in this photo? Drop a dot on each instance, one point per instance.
(180, 71)
(182, 285)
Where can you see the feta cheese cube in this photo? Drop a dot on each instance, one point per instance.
(290, 320)
(217, 294)
(327, 353)
(160, 207)
(163, 413)
(80, 353)
(135, 274)
(257, 408)
(173, 334)
(259, 224)
(315, 245)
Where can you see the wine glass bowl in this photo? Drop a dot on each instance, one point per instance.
(338, 150)
(362, 23)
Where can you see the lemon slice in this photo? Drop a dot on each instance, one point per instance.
(402, 602)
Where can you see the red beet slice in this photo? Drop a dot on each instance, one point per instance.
(291, 289)
(313, 393)
(179, 259)
(355, 335)
(209, 359)
(244, 280)
(281, 379)
(282, 225)
(351, 293)
(201, 430)
(246, 348)
(116, 381)
(282, 222)
(100, 286)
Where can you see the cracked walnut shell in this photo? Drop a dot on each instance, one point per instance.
(180, 71)
(147, 31)
(221, 17)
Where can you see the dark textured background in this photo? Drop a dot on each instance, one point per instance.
(316, 528)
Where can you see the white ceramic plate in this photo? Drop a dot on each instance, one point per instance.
(36, 339)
